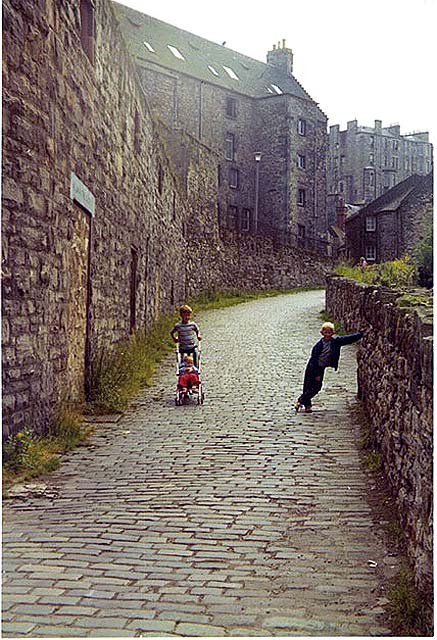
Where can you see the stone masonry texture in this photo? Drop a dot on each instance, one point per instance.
(76, 284)
(395, 378)
(235, 518)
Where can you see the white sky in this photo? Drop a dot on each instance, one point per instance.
(363, 59)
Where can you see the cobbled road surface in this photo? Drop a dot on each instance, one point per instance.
(235, 518)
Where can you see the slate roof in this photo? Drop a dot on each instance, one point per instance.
(393, 198)
(254, 77)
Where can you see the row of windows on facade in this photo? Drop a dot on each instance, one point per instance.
(408, 146)
(417, 163)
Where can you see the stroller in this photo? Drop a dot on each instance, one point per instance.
(184, 396)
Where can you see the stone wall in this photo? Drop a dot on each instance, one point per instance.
(74, 282)
(395, 384)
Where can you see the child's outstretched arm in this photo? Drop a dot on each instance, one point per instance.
(172, 333)
(353, 337)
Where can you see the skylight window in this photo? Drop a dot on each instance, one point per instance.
(149, 47)
(213, 71)
(277, 89)
(269, 90)
(175, 52)
(231, 73)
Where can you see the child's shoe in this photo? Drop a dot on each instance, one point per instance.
(308, 410)
(298, 406)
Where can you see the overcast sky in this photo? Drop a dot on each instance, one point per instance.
(372, 59)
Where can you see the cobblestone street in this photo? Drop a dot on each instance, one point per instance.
(235, 518)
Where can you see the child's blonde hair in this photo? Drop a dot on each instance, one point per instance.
(327, 325)
(188, 359)
(185, 307)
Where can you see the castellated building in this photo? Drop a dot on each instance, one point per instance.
(365, 162)
(269, 136)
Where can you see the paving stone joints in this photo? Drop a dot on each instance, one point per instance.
(238, 517)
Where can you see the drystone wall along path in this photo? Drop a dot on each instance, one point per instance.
(235, 518)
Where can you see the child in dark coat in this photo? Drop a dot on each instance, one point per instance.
(325, 353)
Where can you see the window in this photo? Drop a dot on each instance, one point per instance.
(370, 223)
(370, 252)
(175, 51)
(232, 217)
(301, 161)
(230, 146)
(149, 47)
(231, 73)
(231, 107)
(234, 178)
(87, 28)
(371, 159)
(219, 175)
(277, 89)
(213, 70)
(341, 187)
(245, 220)
(160, 179)
(302, 127)
(301, 197)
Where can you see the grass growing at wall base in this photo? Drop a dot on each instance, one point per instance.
(118, 377)
(26, 455)
(394, 273)
(407, 609)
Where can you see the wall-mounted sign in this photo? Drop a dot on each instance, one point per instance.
(81, 194)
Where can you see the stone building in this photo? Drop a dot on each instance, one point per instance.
(98, 208)
(269, 135)
(365, 162)
(394, 224)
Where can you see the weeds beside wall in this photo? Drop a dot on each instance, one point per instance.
(395, 385)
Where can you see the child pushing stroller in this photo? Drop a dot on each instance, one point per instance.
(188, 357)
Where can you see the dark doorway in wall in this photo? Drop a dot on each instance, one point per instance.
(133, 289)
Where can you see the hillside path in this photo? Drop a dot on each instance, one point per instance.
(235, 518)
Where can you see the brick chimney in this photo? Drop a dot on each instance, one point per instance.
(281, 57)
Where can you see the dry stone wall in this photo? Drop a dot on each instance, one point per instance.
(395, 384)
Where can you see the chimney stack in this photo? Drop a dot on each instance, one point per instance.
(281, 57)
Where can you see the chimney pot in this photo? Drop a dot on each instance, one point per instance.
(274, 47)
(283, 43)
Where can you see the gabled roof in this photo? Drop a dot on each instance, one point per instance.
(394, 197)
(202, 59)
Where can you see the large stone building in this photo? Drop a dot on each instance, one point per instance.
(364, 162)
(98, 207)
(270, 137)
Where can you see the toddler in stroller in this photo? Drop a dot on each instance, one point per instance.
(188, 379)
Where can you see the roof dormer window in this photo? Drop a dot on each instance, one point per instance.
(231, 73)
(175, 51)
(213, 71)
(277, 89)
(149, 47)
